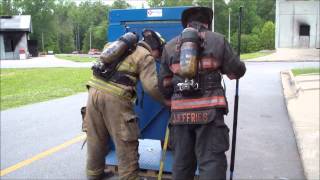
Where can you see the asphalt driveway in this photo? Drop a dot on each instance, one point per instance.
(266, 147)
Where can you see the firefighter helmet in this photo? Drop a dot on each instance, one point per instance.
(153, 39)
(205, 13)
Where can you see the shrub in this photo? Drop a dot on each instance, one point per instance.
(267, 35)
(249, 42)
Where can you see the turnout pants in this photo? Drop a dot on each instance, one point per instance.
(108, 117)
(202, 145)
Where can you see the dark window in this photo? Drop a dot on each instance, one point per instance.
(304, 30)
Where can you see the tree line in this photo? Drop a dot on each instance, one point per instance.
(64, 26)
(258, 30)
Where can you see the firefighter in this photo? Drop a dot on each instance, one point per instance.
(190, 76)
(109, 111)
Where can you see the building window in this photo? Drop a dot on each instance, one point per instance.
(304, 30)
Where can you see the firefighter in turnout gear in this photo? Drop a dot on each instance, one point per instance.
(112, 93)
(190, 76)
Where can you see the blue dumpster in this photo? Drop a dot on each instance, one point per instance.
(153, 117)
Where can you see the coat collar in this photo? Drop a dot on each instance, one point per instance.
(145, 45)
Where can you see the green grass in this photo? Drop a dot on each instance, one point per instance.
(253, 55)
(26, 86)
(300, 71)
(75, 58)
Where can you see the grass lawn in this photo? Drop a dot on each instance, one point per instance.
(300, 71)
(26, 86)
(75, 58)
(253, 55)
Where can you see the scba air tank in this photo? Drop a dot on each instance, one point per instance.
(117, 49)
(190, 45)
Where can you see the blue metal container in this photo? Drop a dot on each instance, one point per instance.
(153, 117)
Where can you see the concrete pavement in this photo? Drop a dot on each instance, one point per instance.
(43, 62)
(302, 100)
(286, 54)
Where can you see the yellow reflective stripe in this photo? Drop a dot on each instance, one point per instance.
(95, 172)
(109, 85)
(96, 85)
(109, 91)
(109, 88)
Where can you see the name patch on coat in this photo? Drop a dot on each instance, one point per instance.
(190, 117)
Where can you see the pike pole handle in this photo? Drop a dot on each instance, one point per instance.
(236, 103)
(163, 155)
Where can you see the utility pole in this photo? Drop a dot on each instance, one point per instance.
(229, 25)
(76, 42)
(42, 42)
(78, 46)
(90, 38)
(213, 16)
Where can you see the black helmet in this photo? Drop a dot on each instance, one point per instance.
(153, 39)
(201, 14)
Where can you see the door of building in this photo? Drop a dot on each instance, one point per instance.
(304, 36)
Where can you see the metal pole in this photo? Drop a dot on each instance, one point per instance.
(90, 38)
(229, 28)
(42, 42)
(76, 42)
(78, 48)
(236, 102)
(76, 39)
(212, 24)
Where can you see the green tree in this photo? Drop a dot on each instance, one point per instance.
(250, 16)
(267, 35)
(221, 13)
(98, 36)
(61, 21)
(221, 17)
(155, 3)
(8, 7)
(169, 3)
(266, 9)
(85, 16)
(65, 41)
(42, 15)
(249, 42)
(120, 4)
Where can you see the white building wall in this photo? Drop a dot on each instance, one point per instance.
(23, 44)
(290, 14)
